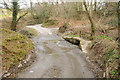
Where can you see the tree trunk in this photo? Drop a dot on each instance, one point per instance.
(14, 15)
(119, 25)
(91, 21)
(95, 5)
(118, 11)
(91, 8)
(31, 8)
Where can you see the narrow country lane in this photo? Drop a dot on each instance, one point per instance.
(56, 58)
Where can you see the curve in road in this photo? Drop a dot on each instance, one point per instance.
(56, 58)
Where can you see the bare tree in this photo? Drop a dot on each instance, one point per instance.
(31, 8)
(14, 15)
(15, 11)
(95, 5)
(118, 11)
(90, 19)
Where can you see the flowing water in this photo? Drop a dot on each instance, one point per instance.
(56, 58)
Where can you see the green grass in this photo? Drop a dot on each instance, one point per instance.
(72, 35)
(110, 58)
(14, 48)
(104, 37)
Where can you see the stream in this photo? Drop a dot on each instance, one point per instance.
(56, 58)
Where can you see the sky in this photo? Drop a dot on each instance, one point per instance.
(26, 3)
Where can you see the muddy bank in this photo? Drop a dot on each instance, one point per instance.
(101, 52)
(72, 35)
(26, 62)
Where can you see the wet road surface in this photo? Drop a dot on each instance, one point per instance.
(56, 58)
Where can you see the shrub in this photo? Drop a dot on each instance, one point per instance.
(50, 22)
(63, 28)
(113, 23)
(42, 13)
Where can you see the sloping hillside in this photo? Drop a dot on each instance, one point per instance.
(15, 47)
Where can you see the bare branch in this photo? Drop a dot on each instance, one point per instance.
(6, 6)
(21, 16)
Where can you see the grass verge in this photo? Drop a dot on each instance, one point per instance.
(14, 48)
